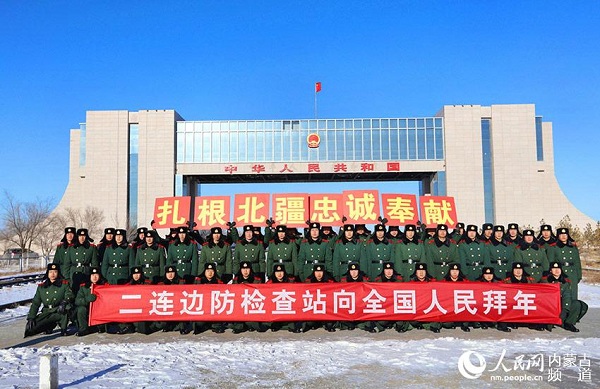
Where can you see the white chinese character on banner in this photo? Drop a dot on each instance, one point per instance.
(317, 303)
(404, 301)
(435, 303)
(220, 301)
(463, 299)
(163, 306)
(192, 303)
(344, 300)
(283, 302)
(253, 303)
(494, 299)
(374, 302)
(525, 302)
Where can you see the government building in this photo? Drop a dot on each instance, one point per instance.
(497, 161)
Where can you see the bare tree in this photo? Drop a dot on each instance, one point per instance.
(23, 222)
(90, 217)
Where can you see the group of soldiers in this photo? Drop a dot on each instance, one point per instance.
(354, 254)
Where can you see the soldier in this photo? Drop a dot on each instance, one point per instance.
(473, 253)
(216, 250)
(458, 232)
(440, 252)
(408, 252)
(421, 275)
(319, 275)
(502, 254)
(209, 276)
(151, 258)
(346, 250)
(83, 300)
(314, 250)
(280, 276)
(518, 275)
(486, 232)
(172, 277)
(139, 240)
(80, 257)
(247, 276)
(529, 253)
(282, 250)
(143, 327)
(389, 274)
(106, 241)
(546, 238)
(250, 248)
(362, 233)
(513, 236)
(55, 297)
(67, 240)
(118, 259)
(456, 275)
(377, 251)
(488, 275)
(394, 235)
(566, 252)
(572, 309)
(183, 254)
(354, 274)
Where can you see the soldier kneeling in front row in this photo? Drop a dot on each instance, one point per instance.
(54, 293)
(84, 298)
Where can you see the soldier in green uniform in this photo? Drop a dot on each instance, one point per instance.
(106, 241)
(389, 274)
(209, 276)
(458, 232)
(394, 235)
(67, 240)
(455, 274)
(487, 230)
(502, 254)
(150, 257)
(249, 248)
(118, 259)
(140, 239)
(572, 309)
(314, 250)
(566, 252)
(362, 233)
(408, 252)
(347, 249)
(513, 236)
(440, 252)
(421, 275)
(488, 275)
(171, 277)
(55, 297)
(247, 276)
(473, 253)
(183, 254)
(518, 275)
(355, 274)
(80, 257)
(83, 300)
(319, 276)
(546, 238)
(216, 250)
(280, 276)
(529, 253)
(282, 250)
(378, 250)
(142, 327)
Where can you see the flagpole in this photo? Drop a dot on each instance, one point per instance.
(315, 103)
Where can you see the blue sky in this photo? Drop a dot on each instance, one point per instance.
(259, 60)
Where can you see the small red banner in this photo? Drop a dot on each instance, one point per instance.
(251, 208)
(361, 206)
(212, 211)
(171, 211)
(438, 210)
(437, 301)
(400, 209)
(290, 209)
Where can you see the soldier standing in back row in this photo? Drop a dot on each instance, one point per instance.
(347, 249)
(282, 250)
(80, 257)
(378, 250)
(408, 252)
(566, 252)
(314, 250)
(249, 248)
(60, 254)
(106, 241)
(150, 257)
(502, 254)
(183, 254)
(473, 253)
(216, 250)
(530, 253)
(118, 259)
(440, 252)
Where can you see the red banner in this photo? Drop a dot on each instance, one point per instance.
(212, 211)
(361, 206)
(324, 209)
(290, 209)
(400, 210)
(438, 210)
(251, 208)
(438, 301)
(171, 211)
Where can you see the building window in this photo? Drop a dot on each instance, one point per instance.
(539, 138)
(488, 185)
(82, 136)
(132, 195)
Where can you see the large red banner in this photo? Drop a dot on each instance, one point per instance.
(437, 301)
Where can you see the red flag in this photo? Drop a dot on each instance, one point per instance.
(317, 87)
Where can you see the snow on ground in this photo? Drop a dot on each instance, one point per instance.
(315, 359)
(17, 293)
